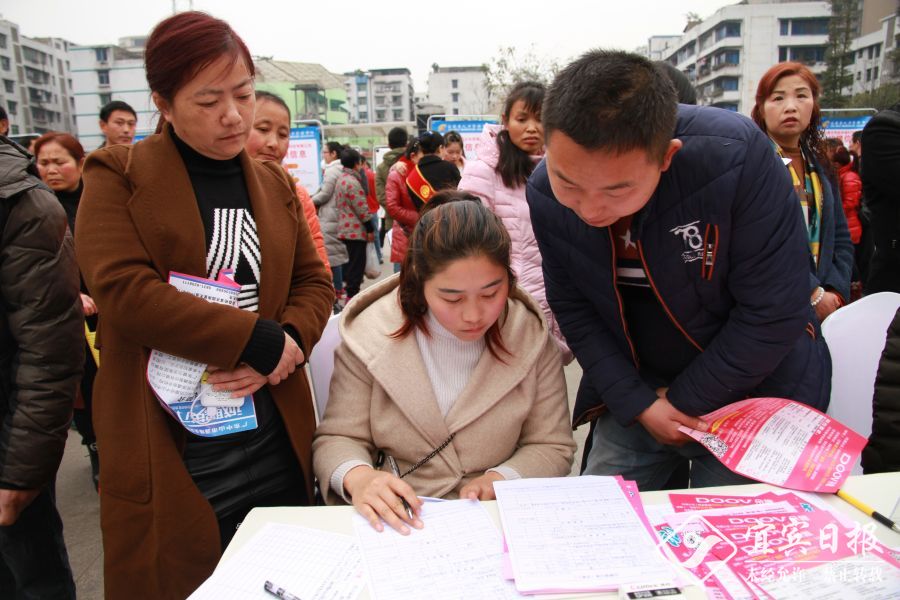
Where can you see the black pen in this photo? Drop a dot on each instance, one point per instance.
(279, 592)
(396, 472)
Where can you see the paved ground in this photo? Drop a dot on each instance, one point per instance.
(80, 509)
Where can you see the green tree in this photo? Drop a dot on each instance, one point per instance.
(884, 96)
(842, 29)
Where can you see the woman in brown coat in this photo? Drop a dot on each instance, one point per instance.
(190, 200)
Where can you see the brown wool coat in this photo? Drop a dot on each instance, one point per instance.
(139, 220)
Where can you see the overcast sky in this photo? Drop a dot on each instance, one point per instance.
(379, 33)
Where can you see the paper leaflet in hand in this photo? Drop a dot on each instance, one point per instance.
(781, 442)
(180, 384)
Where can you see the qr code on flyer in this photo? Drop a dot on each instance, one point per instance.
(714, 444)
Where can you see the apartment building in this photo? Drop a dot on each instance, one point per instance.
(380, 96)
(459, 90)
(110, 72)
(37, 85)
(727, 53)
(879, 36)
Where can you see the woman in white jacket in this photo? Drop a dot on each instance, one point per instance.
(506, 156)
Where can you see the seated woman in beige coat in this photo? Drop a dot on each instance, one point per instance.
(449, 369)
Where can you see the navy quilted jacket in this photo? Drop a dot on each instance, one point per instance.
(724, 247)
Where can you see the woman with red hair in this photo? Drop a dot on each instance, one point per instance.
(787, 109)
(190, 200)
(59, 158)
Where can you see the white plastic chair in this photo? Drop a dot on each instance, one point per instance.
(321, 364)
(856, 335)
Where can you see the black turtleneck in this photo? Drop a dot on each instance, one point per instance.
(236, 471)
(69, 201)
(232, 242)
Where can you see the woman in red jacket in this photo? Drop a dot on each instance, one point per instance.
(851, 197)
(399, 205)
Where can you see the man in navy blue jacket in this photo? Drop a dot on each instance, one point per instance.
(675, 260)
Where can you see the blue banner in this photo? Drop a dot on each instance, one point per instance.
(851, 123)
(443, 126)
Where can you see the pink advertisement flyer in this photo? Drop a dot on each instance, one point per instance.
(781, 442)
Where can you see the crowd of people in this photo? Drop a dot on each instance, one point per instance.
(686, 256)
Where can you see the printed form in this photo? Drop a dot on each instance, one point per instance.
(576, 534)
(312, 564)
(456, 556)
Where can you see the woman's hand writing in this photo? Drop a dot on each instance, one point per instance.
(379, 495)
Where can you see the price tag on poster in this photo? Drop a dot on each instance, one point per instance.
(303, 157)
(469, 131)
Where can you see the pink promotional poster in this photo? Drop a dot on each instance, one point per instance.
(781, 442)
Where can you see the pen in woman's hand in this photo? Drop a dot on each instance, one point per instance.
(396, 472)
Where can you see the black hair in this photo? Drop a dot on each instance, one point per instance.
(856, 136)
(447, 195)
(349, 158)
(397, 138)
(3, 115)
(451, 137)
(683, 88)
(450, 231)
(515, 165)
(334, 147)
(430, 142)
(269, 96)
(113, 106)
(412, 148)
(613, 101)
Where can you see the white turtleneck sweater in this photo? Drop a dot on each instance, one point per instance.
(450, 363)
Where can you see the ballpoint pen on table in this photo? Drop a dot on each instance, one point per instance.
(868, 510)
(396, 471)
(279, 592)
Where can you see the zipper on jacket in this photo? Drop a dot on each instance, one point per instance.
(661, 301)
(710, 251)
(612, 244)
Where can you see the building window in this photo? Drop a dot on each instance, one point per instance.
(379, 115)
(877, 50)
(728, 29)
(363, 101)
(859, 75)
(454, 83)
(868, 74)
(13, 107)
(809, 27)
(454, 97)
(103, 77)
(728, 84)
(9, 85)
(105, 99)
(808, 55)
(5, 63)
(396, 100)
(455, 111)
(2, 40)
(398, 115)
(379, 100)
(875, 73)
(102, 54)
(785, 25)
